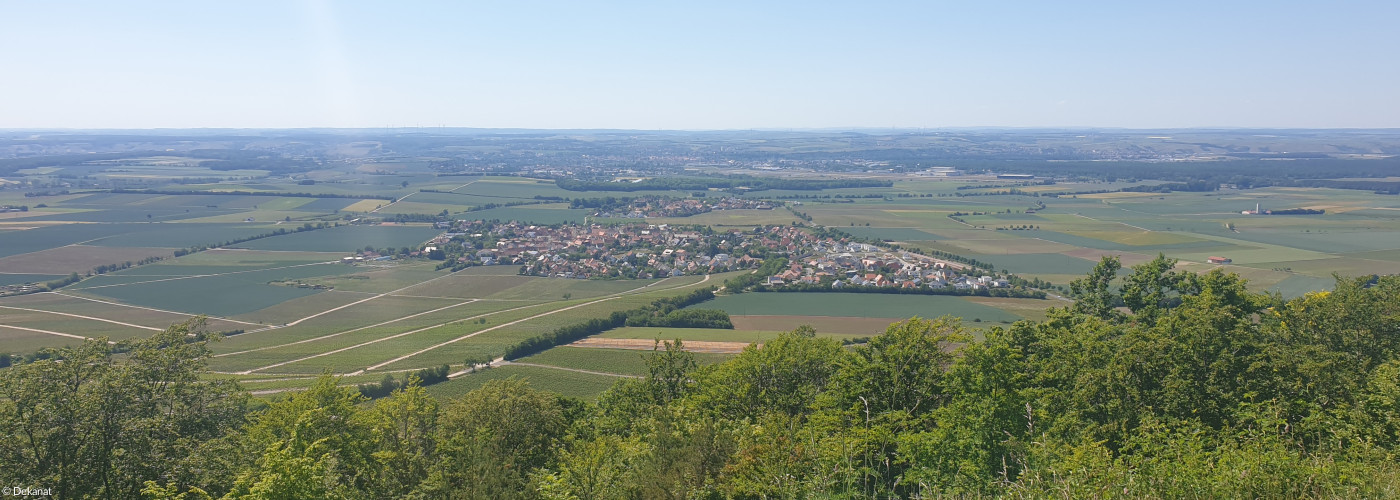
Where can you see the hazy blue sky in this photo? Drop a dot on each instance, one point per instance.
(699, 65)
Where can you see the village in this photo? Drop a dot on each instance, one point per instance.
(647, 251)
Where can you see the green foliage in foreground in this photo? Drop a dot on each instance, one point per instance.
(1200, 389)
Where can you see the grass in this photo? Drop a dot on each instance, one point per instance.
(222, 295)
(1012, 242)
(466, 285)
(345, 239)
(370, 279)
(18, 278)
(71, 305)
(834, 326)
(620, 361)
(563, 382)
(530, 214)
(1298, 285)
(1033, 264)
(703, 334)
(493, 343)
(44, 238)
(78, 258)
(891, 233)
(1135, 237)
(23, 341)
(1345, 266)
(866, 305)
(378, 310)
(55, 322)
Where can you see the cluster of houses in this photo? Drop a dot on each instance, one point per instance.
(21, 289)
(837, 265)
(629, 251)
(659, 250)
(617, 251)
(657, 206)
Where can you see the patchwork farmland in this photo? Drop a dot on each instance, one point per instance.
(336, 277)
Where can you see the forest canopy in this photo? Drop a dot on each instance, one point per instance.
(1161, 383)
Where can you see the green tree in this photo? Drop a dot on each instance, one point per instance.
(1153, 287)
(669, 370)
(492, 438)
(784, 375)
(322, 429)
(88, 425)
(1093, 295)
(404, 432)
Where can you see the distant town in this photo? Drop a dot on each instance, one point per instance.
(648, 251)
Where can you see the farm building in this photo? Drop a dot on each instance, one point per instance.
(1218, 260)
(1019, 177)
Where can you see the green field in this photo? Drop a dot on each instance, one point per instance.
(563, 382)
(871, 305)
(345, 239)
(702, 334)
(529, 214)
(1034, 264)
(891, 233)
(218, 295)
(403, 314)
(17, 278)
(619, 361)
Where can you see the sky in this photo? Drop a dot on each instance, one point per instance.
(699, 65)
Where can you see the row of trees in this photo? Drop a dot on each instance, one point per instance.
(389, 384)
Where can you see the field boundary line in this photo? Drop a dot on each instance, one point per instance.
(464, 185)
(440, 298)
(60, 334)
(1116, 222)
(337, 308)
(397, 335)
(220, 318)
(479, 332)
(115, 322)
(405, 197)
(204, 275)
(303, 341)
(473, 334)
(400, 319)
